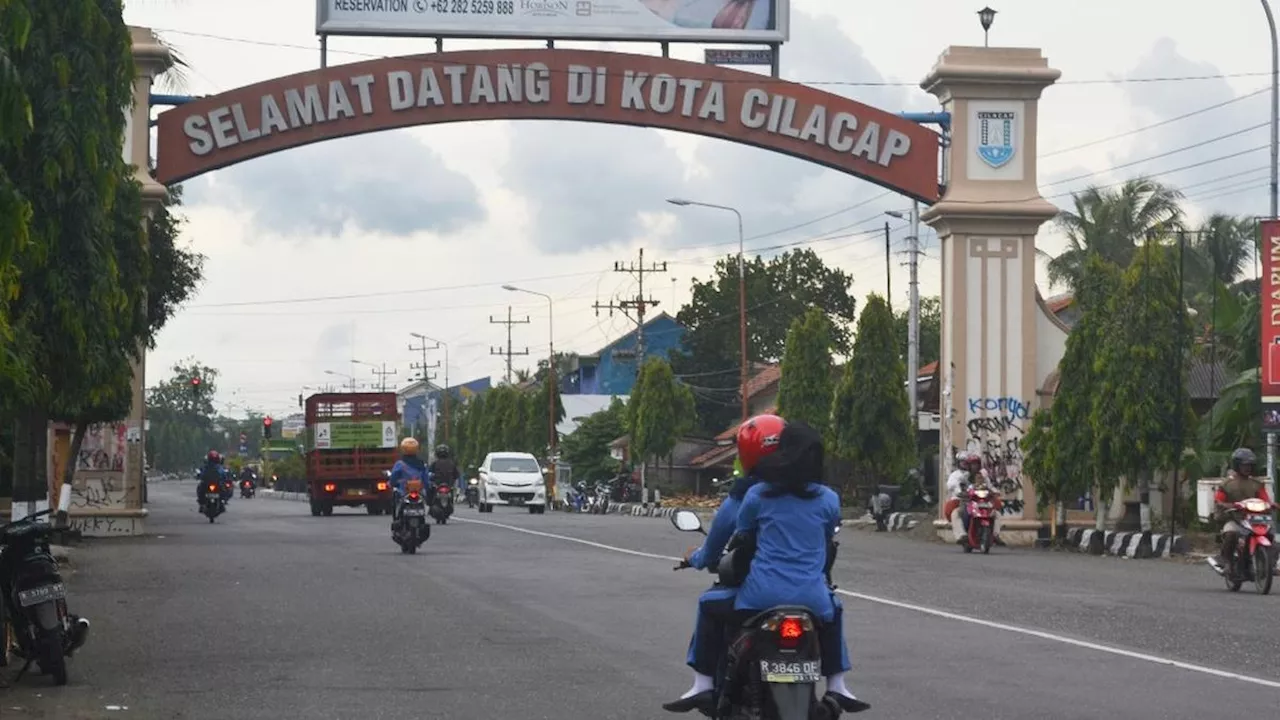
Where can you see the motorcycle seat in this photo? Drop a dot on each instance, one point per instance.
(754, 621)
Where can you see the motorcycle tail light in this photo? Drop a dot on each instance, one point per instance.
(213, 488)
(382, 486)
(443, 490)
(790, 630)
(330, 487)
(413, 496)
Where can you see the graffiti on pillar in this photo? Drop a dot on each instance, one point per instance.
(100, 526)
(99, 481)
(103, 449)
(994, 430)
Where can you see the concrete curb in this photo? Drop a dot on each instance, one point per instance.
(273, 495)
(1134, 545)
(897, 521)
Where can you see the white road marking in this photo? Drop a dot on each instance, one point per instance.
(1085, 644)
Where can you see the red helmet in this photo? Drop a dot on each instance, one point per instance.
(213, 457)
(757, 437)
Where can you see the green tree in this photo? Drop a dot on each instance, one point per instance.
(1141, 399)
(79, 310)
(586, 449)
(539, 415)
(1113, 223)
(1051, 475)
(778, 290)
(183, 419)
(664, 411)
(870, 412)
(1073, 434)
(474, 435)
(930, 331)
(15, 210)
(805, 390)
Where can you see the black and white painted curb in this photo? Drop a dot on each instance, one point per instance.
(635, 510)
(273, 495)
(896, 521)
(1126, 544)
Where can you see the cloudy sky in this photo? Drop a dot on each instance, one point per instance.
(418, 229)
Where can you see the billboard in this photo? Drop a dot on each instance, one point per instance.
(747, 21)
(1269, 292)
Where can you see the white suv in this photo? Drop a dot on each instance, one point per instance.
(512, 478)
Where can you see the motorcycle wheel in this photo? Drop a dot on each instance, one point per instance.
(985, 540)
(52, 659)
(1262, 571)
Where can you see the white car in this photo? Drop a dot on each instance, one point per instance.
(512, 478)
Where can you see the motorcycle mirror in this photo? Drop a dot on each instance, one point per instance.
(686, 521)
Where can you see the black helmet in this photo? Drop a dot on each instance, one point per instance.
(1244, 456)
(442, 451)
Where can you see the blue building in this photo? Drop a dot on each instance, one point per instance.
(612, 369)
(424, 402)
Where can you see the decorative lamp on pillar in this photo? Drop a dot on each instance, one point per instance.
(986, 16)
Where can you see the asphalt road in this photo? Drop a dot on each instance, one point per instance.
(272, 613)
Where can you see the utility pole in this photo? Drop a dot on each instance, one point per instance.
(913, 316)
(888, 273)
(638, 303)
(509, 352)
(382, 375)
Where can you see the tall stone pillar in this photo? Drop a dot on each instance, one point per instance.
(151, 58)
(987, 223)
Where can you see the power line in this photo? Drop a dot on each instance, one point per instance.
(1155, 125)
(835, 83)
(1167, 153)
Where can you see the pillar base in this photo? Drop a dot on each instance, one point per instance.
(121, 522)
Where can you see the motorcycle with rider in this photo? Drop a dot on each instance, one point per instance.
(967, 479)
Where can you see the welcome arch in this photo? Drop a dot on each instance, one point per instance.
(543, 84)
(999, 342)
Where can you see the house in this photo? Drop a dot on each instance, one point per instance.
(612, 369)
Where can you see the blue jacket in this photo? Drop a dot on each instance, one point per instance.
(409, 467)
(722, 526)
(791, 549)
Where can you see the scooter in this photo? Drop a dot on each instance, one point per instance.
(982, 509)
(473, 492)
(246, 488)
(33, 600)
(442, 508)
(774, 665)
(411, 528)
(214, 502)
(1252, 559)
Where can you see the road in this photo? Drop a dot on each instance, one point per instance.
(272, 613)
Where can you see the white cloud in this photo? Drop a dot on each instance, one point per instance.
(470, 207)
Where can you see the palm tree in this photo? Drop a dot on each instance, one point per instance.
(1113, 223)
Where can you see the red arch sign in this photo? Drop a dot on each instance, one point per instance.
(542, 84)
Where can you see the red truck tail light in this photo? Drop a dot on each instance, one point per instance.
(382, 487)
(330, 487)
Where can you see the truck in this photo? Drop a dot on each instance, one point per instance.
(351, 441)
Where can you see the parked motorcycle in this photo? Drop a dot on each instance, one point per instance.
(575, 499)
(473, 492)
(214, 502)
(442, 508)
(411, 529)
(247, 489)
(33, 600)
(774, 665)
(982, 511)
(1252, 560)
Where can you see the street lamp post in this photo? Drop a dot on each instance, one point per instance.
(551, 365)
(444, 345)
(986, 16)
(350, 378)
(742, 294)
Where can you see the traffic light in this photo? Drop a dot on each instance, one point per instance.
(266, 427)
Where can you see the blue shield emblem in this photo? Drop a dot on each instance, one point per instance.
(996, 143)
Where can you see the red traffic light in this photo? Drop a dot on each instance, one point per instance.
(266, 421)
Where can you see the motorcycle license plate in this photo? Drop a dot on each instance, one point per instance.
(415, 512)
(35, 596)
(983, 506)
(784, 671)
